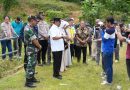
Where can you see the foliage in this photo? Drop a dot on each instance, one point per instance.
(93, 9)
(77, 1)
(8, 4)
(51, 14)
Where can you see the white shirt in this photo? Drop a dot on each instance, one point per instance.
(56, 45)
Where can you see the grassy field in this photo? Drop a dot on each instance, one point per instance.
(77, 77)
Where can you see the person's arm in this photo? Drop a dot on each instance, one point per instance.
(36, 43)
(79, 39)
(57, 38)
(120, 37)
(33, 38)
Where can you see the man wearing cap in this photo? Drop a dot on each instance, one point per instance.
(97, 39)
(32, 46)
(17, 26)
(57, 47)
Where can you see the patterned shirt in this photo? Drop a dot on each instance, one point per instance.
(83, 35)
(7, 30)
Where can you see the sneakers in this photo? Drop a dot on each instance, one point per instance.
(105, 83)
(116, 61)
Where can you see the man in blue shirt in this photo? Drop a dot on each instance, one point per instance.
(17, 25)
(108, 41)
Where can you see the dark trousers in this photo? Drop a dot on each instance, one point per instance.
(72, 50)
(6, 43)
(117, 52)
(90, 48)
(108, 65)
(79, 50)
(103, 67)
(25, 58)
(128, 67)
(57, 57)
(75, 50)
(44, 44)
(98, 54)
(17, 46)
(49, 53)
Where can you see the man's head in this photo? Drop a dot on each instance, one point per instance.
(109, 21)
(32, 20)
(82, 24)
(18, 20)
(41, 15)
(97, 22)
(6, 19)
(71, 21)
(57, 21)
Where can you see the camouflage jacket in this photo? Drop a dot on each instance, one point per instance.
(29, 36)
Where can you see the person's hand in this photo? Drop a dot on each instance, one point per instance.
(40, 47)
(65, 27)
(46, 38)
(83, 42)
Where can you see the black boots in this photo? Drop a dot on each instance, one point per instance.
(29, 83)
(34, 80)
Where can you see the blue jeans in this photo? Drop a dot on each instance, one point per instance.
(108, 65)
(6, 43)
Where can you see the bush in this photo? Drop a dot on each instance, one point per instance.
(51, 14)
(77, 1)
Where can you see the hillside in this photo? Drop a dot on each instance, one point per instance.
(31, 7)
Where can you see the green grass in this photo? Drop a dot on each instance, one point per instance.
(77, 77)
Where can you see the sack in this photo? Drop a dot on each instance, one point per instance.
(65, 45)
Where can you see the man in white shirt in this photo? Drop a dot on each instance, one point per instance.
(57, 46)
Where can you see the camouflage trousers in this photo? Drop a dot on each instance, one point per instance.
(31, 62)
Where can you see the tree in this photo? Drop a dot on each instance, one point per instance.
(8, 4)
(93, 9)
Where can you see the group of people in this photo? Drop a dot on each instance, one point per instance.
(65, 41)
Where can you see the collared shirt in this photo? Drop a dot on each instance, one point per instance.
(7, 30)
(83, 35)
(17, 27)
(56, 45)
(71, 31)
(43, 29)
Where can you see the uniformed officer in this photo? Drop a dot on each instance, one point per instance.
(32, 46)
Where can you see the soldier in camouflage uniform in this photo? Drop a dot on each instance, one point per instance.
(32, 46)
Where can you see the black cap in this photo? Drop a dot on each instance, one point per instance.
(57, 19)
(18, 18)
(32, 18)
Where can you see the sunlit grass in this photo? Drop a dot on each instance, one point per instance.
(77, 77)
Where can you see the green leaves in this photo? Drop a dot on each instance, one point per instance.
(102, 8)
(7, 4)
